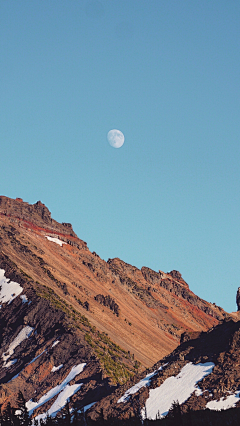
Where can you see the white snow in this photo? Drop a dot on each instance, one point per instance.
(55, 343)
(61, 400)
(224, 404)
(9, 363)
(144, 382)
(198, 391)
(8, 289)
(63, 389)
(56, 368)
(22, 335)
(24, 298)
(56, 240)
(177, 388)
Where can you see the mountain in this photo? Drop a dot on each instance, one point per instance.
(74, 325)
(202, 373)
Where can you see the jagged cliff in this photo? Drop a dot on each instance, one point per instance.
(109, 319)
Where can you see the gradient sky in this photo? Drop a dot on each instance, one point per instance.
(165, 73)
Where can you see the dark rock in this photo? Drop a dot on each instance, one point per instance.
(108, 302)
(175, 274)
(238, 299)
(37, 214)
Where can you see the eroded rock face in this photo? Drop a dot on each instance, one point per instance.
(238, 299)
(176, 274)
(37, 214)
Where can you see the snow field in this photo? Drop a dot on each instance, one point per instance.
(8, 289)
(177, 388)
(56, 368)
(56, 240)
(64, 390)
(144, 382)
(61, 400)
(224, 404)
(22, 335)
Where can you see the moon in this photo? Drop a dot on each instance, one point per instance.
(115, 138)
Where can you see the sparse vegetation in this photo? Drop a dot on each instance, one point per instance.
(85, 304)
(25, 274)
(115, 361)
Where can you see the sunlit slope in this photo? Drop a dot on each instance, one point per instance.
(151, 309)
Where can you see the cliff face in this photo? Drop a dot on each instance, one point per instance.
(104, 316)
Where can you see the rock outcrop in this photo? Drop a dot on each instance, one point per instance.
(238, 299)
(34, 214)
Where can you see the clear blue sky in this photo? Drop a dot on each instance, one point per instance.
(165, 73)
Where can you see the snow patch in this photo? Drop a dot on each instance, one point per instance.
(24, 298)
(56, 368)
(61, 400)
(224, 403)
(22, 335)
(9, 363)
(56, 240)
(8, 289)
(144, 382)
(64, 390)
(175, 388)
(198, 391)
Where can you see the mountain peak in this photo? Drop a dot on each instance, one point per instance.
(34, 214)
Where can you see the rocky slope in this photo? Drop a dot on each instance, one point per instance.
(201, 373)
(109, 319)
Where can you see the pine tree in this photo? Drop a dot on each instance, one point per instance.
(75, 417)
(49, 421)
(67, 414)
(8, 416)
(35, 422)
(23, 416)
(42, 423)
(174, 414)
(1, 419)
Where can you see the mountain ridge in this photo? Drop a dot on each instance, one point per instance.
(115, 311)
